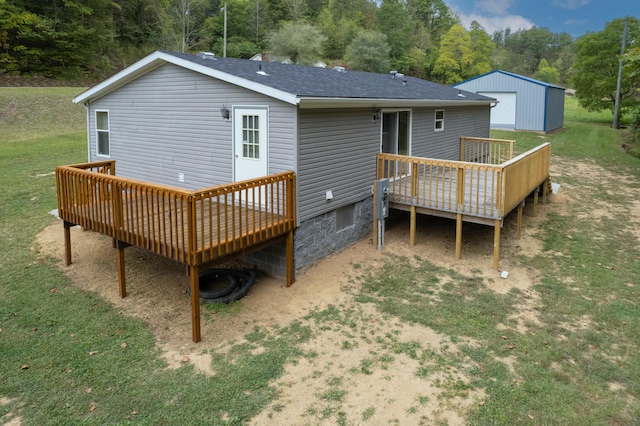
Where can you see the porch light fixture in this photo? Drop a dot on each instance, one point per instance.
(224, 112)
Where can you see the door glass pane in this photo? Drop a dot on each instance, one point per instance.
(250, 137)
(403, 133)
(389, 132)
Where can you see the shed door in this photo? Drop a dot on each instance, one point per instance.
(250, 142)
(503, 116)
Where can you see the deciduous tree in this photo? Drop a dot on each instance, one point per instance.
(369, 51)
(456, 56)
(596, 67)
(547, 73)
(302, 43)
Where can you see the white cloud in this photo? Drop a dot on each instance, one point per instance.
(494, 7)
(571, 4)
(497, 23)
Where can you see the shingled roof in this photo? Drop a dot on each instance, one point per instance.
(298, 84)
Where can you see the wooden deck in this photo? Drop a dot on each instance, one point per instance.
(197, 228)
(478, 190)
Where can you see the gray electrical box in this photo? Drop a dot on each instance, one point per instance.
(382, 195)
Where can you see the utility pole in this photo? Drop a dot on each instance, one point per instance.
(616, 108)
(224, 48)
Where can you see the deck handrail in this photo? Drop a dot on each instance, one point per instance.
(470, 188)
(184, 225)
(440, 184)
(524, 173)
(486, 150)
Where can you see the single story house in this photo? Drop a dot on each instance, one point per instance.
(523, 103)
(194, 121)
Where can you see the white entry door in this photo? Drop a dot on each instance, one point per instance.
(250, 142)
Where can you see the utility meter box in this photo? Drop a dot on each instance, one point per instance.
(382, 197)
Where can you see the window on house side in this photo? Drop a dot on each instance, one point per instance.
(102, 133)
(439, 121)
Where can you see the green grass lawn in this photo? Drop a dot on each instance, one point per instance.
(63, 360)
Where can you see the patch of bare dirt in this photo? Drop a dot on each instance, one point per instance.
(11, 418)
(156, 293)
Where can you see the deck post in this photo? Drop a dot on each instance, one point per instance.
(496, 243)
(122, 283)
(194, 282)
(67, 242)
(290, 258)
(459, 207)
(519, 221)
(545, 191)
(458, 235)
(535, 201)
(412, 227)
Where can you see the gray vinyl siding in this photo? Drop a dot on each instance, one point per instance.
(555, 109)
(538, 106)
(168, 122)
(458, 121)
(337, 152)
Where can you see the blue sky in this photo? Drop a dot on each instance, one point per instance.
(575, 17)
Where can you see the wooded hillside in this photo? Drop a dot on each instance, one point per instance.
(91, 39)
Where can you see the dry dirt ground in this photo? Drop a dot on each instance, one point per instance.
(156, 294)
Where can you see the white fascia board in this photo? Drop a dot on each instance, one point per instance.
(311, 103)
(157, 59)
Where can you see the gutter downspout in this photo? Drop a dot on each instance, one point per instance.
(86, 106)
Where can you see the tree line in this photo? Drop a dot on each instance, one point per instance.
(91, 39)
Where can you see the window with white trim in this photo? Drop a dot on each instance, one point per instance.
(103, 135)
(438, 125)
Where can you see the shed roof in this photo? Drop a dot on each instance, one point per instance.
(300, 85)
(510, 74)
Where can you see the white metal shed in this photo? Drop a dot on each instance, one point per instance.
(523, 103)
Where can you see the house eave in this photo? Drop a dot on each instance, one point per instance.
(157, 59)
(317, 102)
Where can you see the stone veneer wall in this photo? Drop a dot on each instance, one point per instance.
(315, 239)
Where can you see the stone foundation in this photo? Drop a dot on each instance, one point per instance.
(315, 239)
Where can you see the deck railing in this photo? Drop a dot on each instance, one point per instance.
(192, 227)
(460, 187)
(524, 173)
(487, 151)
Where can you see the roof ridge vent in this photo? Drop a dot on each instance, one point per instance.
(207, 55)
